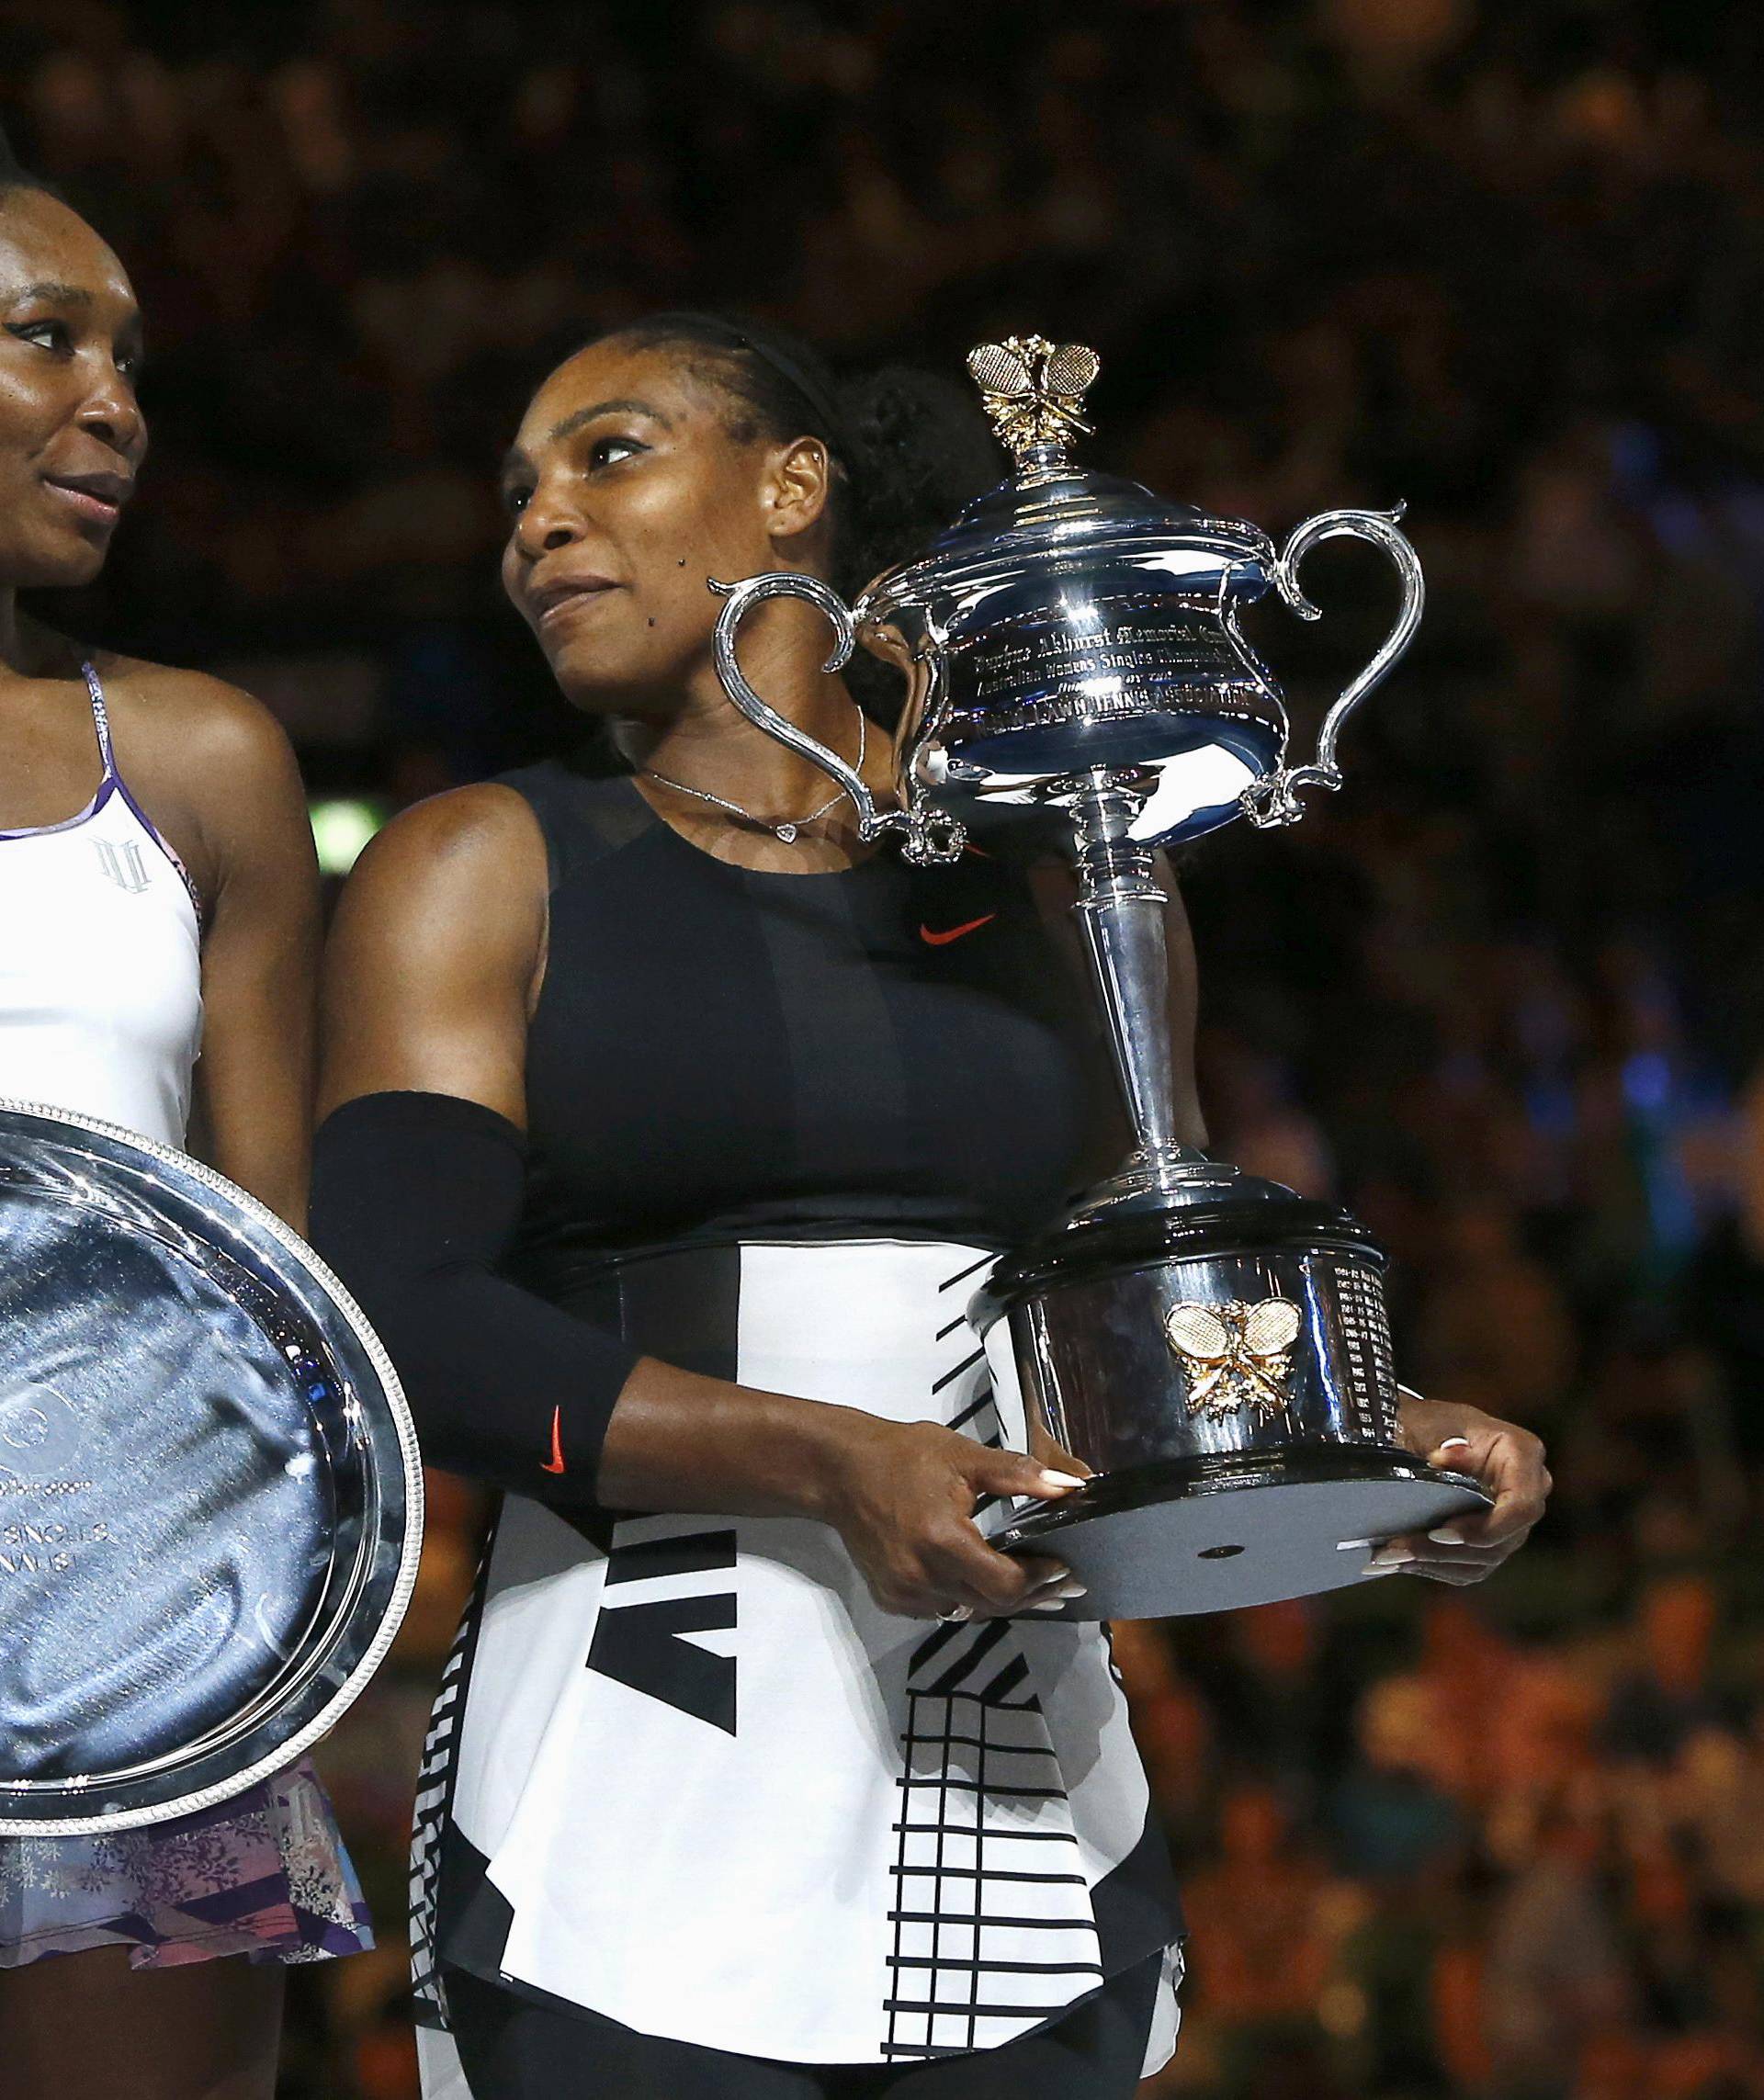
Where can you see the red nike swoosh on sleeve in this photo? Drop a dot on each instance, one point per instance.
(934, 939)
(555, 1463)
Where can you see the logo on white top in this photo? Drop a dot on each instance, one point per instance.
(122, 861)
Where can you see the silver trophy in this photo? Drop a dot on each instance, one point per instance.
(1212, 1344)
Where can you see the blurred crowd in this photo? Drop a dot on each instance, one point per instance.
(1502, 259)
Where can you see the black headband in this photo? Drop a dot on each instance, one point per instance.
(819, 395)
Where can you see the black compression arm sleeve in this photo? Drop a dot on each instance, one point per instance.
(415, 1200)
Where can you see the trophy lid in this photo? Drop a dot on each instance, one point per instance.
(1049, 508)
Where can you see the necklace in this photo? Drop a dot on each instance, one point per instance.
(788, 830)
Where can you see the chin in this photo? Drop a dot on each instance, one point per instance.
(60, 567)
(600, 682)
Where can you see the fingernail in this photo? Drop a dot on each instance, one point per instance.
(1452, 1444)
(1060, 1481)
(1446, 1536)
(1072, 1589)
(1372, 1568)
(1050, 1604)
(1391, 1557)
(1353, 1545)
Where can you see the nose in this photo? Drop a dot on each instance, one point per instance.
(112, 414)
(547, 524)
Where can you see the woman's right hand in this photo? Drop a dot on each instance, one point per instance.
(901, 1496)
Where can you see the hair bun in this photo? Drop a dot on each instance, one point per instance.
(920, 450)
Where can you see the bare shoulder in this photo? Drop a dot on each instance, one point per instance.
(204, 717)
(436, 952)
(216, 774)
(479, 838)
(463, 871)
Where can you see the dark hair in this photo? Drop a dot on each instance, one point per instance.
(13, 177)
(909, 449)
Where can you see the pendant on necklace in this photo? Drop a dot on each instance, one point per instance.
(787, 832)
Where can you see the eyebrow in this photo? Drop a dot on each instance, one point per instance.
(47, 287)
(624, 405)
(516, 461)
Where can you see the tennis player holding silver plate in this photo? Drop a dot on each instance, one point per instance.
(208, 1496)
(1211, 1345)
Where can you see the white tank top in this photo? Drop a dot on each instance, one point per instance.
(100, 962)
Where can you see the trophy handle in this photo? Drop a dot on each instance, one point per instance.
(1274, 800)
(930, 835)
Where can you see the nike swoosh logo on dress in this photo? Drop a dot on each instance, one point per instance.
(942, 940)
(555, 1463)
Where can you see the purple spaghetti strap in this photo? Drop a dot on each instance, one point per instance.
(100, 717)
(101, 722)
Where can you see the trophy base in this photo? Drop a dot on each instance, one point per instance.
(1179, 1536)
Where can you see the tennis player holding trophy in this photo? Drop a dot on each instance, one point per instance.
(671, 1128)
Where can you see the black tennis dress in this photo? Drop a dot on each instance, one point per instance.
(682, 1773)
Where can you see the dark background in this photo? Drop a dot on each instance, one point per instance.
(1505, 260)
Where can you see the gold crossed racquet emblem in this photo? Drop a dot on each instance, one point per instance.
(1032, 389)
(1235, 1355)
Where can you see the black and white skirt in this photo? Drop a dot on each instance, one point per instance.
(690, 1778)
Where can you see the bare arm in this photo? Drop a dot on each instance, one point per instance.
(436, 955)
(431, 971)
(253, 1111)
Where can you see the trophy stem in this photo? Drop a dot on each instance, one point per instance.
(1120, 909)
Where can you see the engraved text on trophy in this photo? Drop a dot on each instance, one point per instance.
(1367, 1356)
(1112, 662)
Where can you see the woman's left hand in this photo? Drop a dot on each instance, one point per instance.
(1507, 1462)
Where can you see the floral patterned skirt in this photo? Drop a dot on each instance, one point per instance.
(264, 1876)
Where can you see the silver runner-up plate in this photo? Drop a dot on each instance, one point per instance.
(210, 1497)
